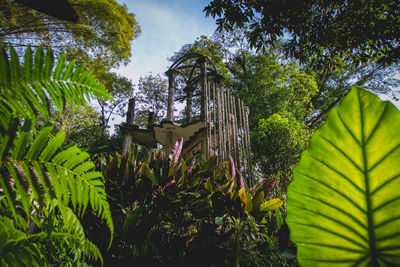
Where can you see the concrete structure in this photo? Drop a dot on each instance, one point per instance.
(221, 128)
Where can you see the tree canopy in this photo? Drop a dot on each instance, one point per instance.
(101, 38)
(357, 31)
(151, 97)
(104, 30)
(279, 97)
(121, 89)
(279, 141)
(269, 87)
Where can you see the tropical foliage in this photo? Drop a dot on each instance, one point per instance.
(343, 202)
(341, 43)
(45, 187)
(268, 86)
(101, 38)
(170, 212)
(80, 126)
(59, 208)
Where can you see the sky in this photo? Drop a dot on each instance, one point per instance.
(166, 26)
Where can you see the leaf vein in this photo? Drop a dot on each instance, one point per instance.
(384, 157)
(348, 129)
(340, 173)
(389, 248)
(336, 208)
(386, 203)
(385, 184)
(332, 246)
(342, 152)
(334, 233)
(377, 124)
(335, 221)
(387, 221)
(335, 190)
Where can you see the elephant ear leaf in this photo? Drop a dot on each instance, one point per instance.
(343, 203)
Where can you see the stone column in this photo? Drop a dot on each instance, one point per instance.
(189, 101)
(130, 115)
(203, 80)
(171, 91)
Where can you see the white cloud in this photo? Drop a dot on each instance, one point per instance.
(166, 26)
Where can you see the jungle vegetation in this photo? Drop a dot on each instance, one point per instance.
(325, 148)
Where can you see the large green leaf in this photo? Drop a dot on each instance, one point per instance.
(344, 202)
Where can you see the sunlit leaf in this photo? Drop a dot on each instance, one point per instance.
(272, 204)
(343, 203)
(147, 172)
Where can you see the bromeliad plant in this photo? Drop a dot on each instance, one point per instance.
(45, 187)
(171, 210)
(343, 203)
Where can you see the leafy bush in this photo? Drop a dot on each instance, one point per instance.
(167, 211)
(279, 141)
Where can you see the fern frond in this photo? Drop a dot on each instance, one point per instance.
(28, 89)
(36, 173)
(47, 171)
(20, 249)
(7, 135)
(88, 250)
(16, 248)
(4, 66)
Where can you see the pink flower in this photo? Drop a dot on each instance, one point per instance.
(240, 180)
(257, 186)
(232, 167)
(190, 168)
(169, 184)
(271, 185)
(176, 150)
